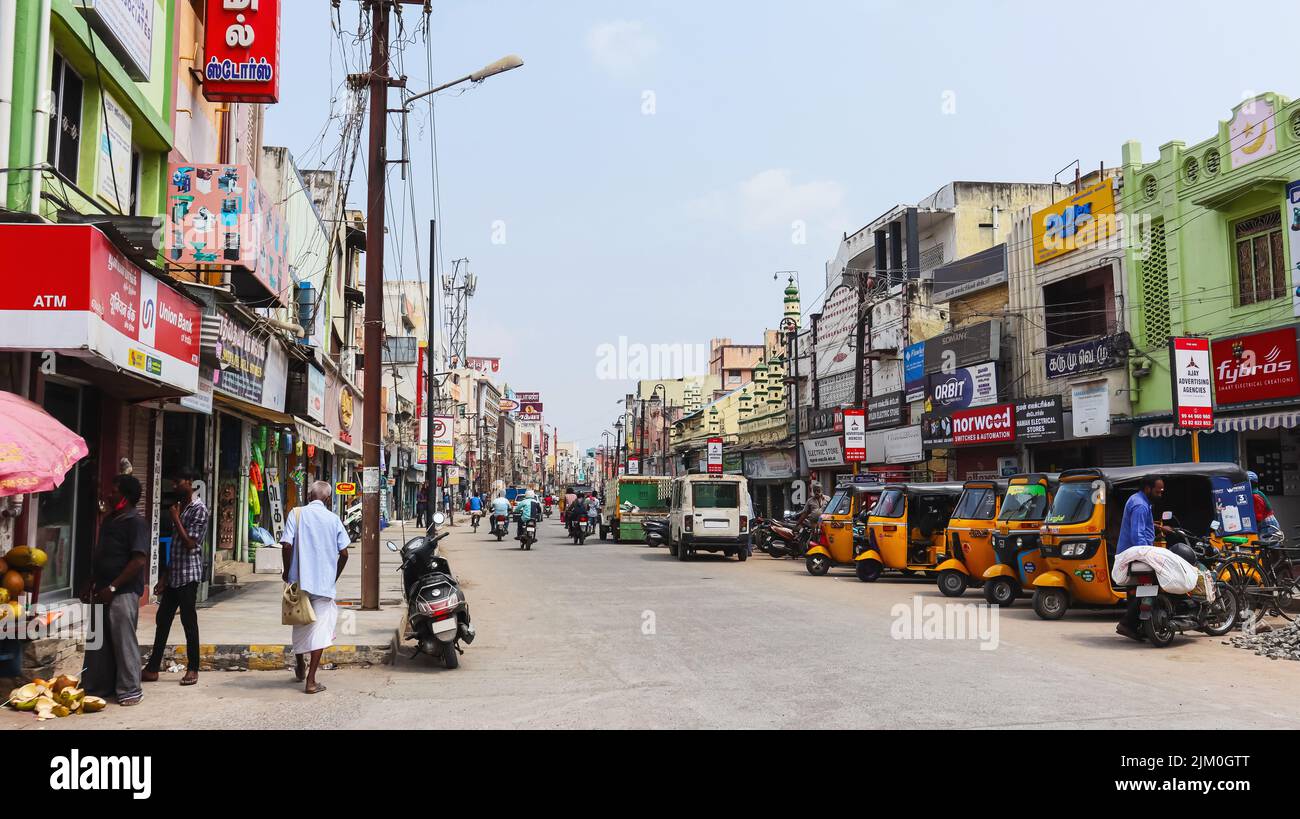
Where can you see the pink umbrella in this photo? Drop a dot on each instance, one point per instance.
(36, 451)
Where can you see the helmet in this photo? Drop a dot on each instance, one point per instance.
(1184, 551)
(1253, 477)
(530, 494)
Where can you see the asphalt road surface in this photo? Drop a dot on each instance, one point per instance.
(624, 636)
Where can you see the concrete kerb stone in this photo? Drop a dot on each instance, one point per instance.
(274, 657)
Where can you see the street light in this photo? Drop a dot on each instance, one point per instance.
(506, 63)
(655, 401)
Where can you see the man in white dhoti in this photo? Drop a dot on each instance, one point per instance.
(315, 551)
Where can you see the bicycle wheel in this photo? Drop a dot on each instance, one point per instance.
(1244, 575)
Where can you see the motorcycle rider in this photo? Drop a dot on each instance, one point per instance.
(475, 509)
(574, 510)
(593, 512)
(529, 509)
(501, 507)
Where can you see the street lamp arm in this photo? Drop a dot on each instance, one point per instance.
(507, 63)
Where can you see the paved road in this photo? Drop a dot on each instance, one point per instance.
(563, 642)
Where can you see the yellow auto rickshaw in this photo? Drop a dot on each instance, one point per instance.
(907, 528)
(1082, 526)
(844, 513)
(970, 537)
(1017, 561)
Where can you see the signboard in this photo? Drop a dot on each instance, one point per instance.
(855, 435)
(771, 465)
(1091, 404)
(1081, 357)
(507, 405)
(936, 429)
(825, 420)
(1083, 220)
(904, 445)
(715, 456)
(242, 353)
(914, 371)
(963, 388)
(1040, 419)
(89, 298)
(1255, 367)
(530, 408)
(820, 452)
(1189, 366)
(964, 347)
(835, 328)
(979, 271)
(1291, 210)
(221, 215)
(885, 411)
(529, 418)
(242, 46)
(528, 397)
(835, 391)
(487, 366)
(345, 488)
(988, 425)
(127, 29)
(274, 500)
(113, 170)
(444, 449)
(634, 466)
(316, 394)
(1234, 504)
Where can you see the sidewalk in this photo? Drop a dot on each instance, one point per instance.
(240, 628)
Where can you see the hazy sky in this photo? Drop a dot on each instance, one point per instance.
(640, 175)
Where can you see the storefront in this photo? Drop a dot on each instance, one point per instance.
(102, 341)
(770, 474)
(343, 418)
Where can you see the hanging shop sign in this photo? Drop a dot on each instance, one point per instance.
(715, 456)
(885, 411)
(822, 452)
(914, 371)
(963, 388)
(1255, 367)
(855, 435)
(1083, 220)
(979, 271)
(936, 430)
(1292, 218)
(221, 215)
(903, 445)
(1040, 419)
(987, 425)
(90, 299)
(964, 347)
(113, 170)
(1189, 364)
(1082, 357)
(825, 420)
(242, 46)
(488, 366)
(126, 27)
(1090, 403)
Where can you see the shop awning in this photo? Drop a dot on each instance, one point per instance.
(313, 435)
(1239, 423)
(231, 403)
(347, 450)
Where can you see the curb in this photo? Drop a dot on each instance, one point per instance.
(274, 657)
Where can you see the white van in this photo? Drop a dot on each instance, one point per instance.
(709, 513)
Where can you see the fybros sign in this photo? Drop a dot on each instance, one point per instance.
(715, 456)
(855, 436)
(1193, 395)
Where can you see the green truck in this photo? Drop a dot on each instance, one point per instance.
(628, 500)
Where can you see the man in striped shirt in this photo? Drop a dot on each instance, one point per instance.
(178, 584)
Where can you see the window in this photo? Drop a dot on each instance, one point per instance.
(1080, 307)
(716, 495)
(891, 504)
(137, 174)
(65, 125)
(976, 504)
(1024, 502)
(1261, 261)
(1072, 504)
(838, 500)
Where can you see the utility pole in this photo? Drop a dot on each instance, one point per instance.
(430, 470)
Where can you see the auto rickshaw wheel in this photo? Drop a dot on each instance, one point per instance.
(1001, 591)
(868, 570)
(817, 565)
(1158, 629)
(952, 583)
(1051, 603)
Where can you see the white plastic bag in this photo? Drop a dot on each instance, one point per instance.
(1175, 575)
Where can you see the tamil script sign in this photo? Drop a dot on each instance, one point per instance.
(1039, 419)
(1080, 357)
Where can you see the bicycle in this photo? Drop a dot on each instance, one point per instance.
(1265, 575)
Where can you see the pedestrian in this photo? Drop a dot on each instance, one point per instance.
(315, 552)
(422, 504)
(117, 567)
(1267, 524)
(178, 585)
(1138, 528)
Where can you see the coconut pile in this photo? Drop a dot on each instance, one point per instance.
(1282, 643)
(50, 700)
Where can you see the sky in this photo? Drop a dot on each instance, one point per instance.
(652, 164)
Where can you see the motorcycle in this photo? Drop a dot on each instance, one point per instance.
(1165, 615)
(786, 540)
(578, 528)
(352, 521)
(529, 536)
(437, 613)
(474, 517)
(656, 531)
(547, 510)
(500, 526)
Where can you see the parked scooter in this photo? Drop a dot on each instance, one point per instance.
(1165, 615)
(437, 613)
(352, 521)
(786, 540)
(656, 531)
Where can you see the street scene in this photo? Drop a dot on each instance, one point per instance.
(401, 365)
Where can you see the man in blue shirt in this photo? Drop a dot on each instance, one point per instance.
(1138, 529)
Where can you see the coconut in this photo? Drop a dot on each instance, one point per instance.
(90, 705)
(62, 682)
(44, 707)
(70, 697)
(24, 698)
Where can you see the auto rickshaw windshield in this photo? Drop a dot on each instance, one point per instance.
(976, 504)
(890, 504)
(839, 503)
(1072, 504)
(1024, 502)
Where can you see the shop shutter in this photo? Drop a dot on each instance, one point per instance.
(1116, 451)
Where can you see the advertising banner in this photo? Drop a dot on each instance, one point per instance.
(486, 366)
(963, 388)
(855, 435)
(242, 44)
(1040, 419)
(936, 430)
(772, 465)
(835, 328)
(88, 297)
(1234, 504)
(1189, 364)
(1090, 402)
(1083, 220)
(1255, 367)
(1082, 357)
(113, 171)
(914, 371)
(885, 411)
(715, 456)
(821, 452)
(963, 347)
(988, 425)
(634, 466)
(904, 445)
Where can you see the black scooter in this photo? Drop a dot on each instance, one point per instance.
(656, 531)
(437, 613)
